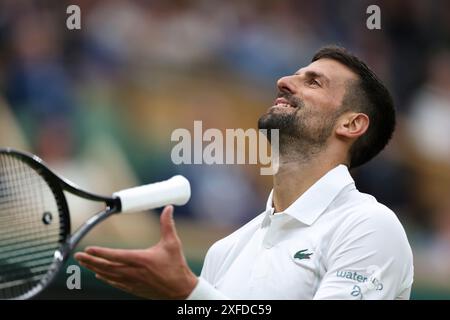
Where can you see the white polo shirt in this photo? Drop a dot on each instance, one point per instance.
(333, 242)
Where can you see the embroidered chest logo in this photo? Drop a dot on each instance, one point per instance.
(302, 254)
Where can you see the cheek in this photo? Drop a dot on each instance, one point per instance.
(321, 100)
(315, 118)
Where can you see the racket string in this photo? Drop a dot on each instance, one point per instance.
(29, 236)
(27, 240)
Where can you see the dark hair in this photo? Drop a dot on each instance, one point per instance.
(368, 95)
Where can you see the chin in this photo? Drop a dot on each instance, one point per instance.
(274, 119)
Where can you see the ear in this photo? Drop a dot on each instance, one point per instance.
(352, 125)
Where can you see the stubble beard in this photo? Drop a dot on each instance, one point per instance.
(303, 133)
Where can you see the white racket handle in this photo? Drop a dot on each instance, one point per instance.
(175, 190)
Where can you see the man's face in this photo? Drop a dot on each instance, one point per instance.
(307, 106)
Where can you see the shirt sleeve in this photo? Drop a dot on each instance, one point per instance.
(370, 259)
(205, 291)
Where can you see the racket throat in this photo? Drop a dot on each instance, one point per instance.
(73, 241)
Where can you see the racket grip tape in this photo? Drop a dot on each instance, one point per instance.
(175, 190)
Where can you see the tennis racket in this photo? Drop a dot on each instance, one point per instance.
(35, 232)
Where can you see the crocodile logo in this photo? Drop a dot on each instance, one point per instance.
(302, 254)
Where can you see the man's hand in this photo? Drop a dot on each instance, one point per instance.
(159, 272)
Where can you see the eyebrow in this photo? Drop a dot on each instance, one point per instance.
(314, 74)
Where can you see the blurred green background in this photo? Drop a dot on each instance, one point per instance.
(99, 106)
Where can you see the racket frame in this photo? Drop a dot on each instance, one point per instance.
(69, 241)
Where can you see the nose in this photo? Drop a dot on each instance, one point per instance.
(286, 84)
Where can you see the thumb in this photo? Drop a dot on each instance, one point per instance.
(168, 231)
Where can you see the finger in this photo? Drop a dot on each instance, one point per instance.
(121, 256)
(113, 283)
(112, 277)
(84, 258)
(110, 272)
(168, 231)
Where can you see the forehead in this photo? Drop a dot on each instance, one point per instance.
(335, 71)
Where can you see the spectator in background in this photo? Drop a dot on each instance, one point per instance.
(37, 84)
(429, 131)
(429, 124)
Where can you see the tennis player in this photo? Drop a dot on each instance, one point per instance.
(319, 237)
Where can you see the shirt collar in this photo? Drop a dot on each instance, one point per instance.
(311, 204)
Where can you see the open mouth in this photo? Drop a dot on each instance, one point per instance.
(282, 102)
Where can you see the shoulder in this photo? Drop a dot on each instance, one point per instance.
(370, 225)
(353, 208)
(366, 212)
(370, 234)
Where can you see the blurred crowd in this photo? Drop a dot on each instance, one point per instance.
(99, 104)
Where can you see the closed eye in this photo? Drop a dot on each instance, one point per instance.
(314, 78)
(314, 82)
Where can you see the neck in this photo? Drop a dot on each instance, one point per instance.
(295, 176)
